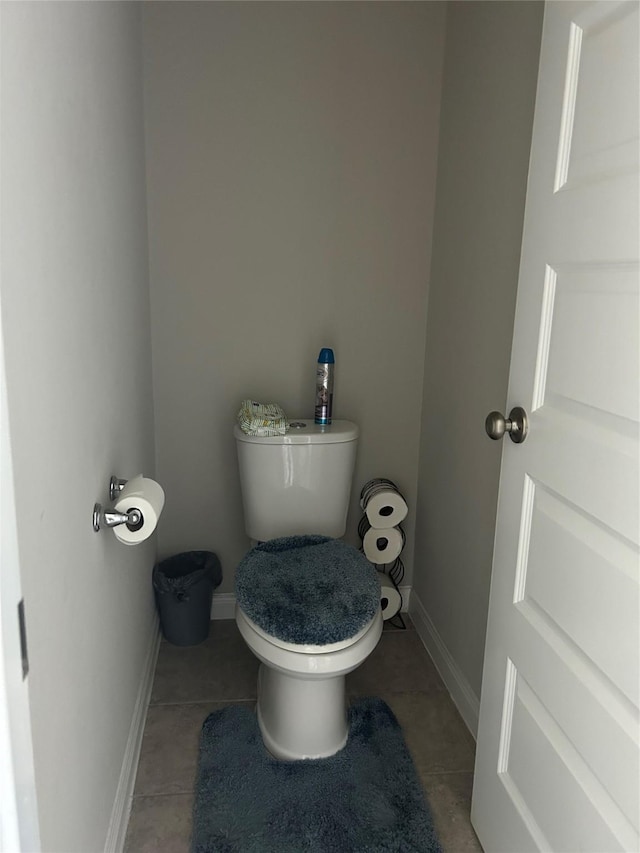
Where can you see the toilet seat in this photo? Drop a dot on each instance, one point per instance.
(308, 591)
(306, 648)
(322, 662)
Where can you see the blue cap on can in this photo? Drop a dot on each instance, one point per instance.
(326, 356)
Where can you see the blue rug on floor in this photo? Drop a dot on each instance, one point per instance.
(367, 797)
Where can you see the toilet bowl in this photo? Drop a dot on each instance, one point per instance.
(302, 708)
(309, 609)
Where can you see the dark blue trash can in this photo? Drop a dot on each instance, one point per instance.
(183, 586)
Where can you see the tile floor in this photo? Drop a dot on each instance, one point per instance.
(191, 682)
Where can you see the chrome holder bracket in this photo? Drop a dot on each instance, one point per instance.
(112, 518)
(116, 485)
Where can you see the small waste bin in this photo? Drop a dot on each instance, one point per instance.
(183, 586)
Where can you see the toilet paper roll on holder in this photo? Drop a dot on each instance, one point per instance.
(111, 517)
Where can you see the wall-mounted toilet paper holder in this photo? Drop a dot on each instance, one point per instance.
(111, 517)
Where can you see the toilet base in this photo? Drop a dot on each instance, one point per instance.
(301, 718)
(301, 689)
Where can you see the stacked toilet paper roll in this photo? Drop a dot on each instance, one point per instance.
(390, 598)
(381, 545)
(382, 503)
(145, 495)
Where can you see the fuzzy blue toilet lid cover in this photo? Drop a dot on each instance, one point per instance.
(308, 589)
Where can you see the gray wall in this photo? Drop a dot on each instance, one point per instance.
(77, 345)
(491, 61)
(291, 153)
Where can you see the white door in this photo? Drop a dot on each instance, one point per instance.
(557, 759)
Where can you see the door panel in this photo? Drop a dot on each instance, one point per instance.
(588, 364)
(599, 130)
(582, 575)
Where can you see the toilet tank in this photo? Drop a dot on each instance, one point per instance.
(299, 482)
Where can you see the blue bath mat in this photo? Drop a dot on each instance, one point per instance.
(365, 799)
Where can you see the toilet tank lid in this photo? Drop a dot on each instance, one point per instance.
(336, 432)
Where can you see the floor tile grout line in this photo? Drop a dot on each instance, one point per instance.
(423, 774)
(351, 695)
(156, 796)
(445, 772)
(173, 703)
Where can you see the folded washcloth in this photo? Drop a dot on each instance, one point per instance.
(262, 419)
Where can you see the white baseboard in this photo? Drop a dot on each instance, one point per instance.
(122, 804)
(223, 604)
(461, 691)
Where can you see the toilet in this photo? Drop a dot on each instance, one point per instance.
(307, 603)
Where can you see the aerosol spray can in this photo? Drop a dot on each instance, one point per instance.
(324, 386)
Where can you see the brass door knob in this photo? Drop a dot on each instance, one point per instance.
(516, 425)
